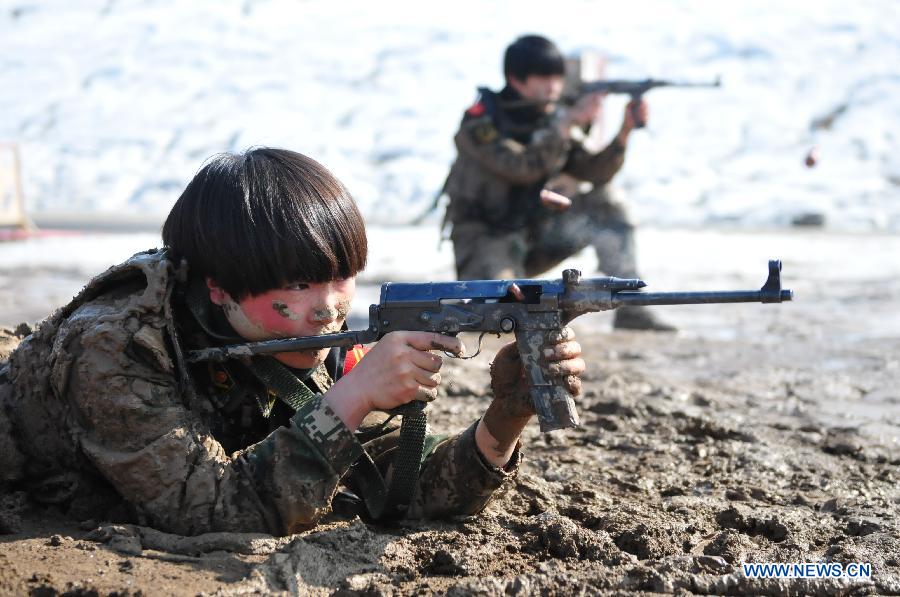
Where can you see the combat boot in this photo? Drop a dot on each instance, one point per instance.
(640, 318)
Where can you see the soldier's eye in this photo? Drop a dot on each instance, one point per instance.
(297, 286)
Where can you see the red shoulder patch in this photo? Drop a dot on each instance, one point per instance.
(477, 109)
(354, 356)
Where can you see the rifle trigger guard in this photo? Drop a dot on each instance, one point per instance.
(477, 352)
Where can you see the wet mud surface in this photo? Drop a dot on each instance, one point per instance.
(693, 456)
(758, 433)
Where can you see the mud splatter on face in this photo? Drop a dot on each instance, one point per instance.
(282, 309)
(338, 313)
(324, 314)
(343, 308)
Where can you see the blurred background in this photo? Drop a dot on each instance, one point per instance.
(107, 109)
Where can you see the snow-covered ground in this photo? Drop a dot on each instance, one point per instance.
(115, 104)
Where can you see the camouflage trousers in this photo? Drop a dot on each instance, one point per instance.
(596, 219)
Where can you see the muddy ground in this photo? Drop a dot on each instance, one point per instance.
(757, 433)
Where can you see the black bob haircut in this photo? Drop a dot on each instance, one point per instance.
(266, 219)
(532, 55)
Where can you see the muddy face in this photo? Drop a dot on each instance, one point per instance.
(298, 310)
(325, 313)
(284, 310)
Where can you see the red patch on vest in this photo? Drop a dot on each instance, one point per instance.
(354, 356)
(476, 110)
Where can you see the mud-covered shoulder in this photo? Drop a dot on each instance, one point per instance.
(147, 275)
(125, 306)
(98, 365)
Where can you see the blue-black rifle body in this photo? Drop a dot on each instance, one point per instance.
(489, 306)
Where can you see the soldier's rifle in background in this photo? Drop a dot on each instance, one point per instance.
(527, 308)
(634, 88)
(577, 89)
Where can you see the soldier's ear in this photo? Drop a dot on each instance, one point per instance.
(216, 294)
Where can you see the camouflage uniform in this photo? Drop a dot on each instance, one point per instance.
(500, 230)
(101, 416)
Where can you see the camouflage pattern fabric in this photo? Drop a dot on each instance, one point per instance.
(483, 253)
(596, 219)
(500, 230)
(107, 422)
(458, 479)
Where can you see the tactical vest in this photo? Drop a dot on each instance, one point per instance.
(521, 205)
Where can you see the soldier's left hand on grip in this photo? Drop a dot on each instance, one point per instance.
(558, 357)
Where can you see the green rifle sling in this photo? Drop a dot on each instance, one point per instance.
(382, 501)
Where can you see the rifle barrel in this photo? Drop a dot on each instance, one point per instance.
(626, 85)
(695, 298)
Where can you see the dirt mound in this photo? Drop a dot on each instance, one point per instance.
(678, 474)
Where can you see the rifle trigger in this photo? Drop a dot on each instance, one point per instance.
(477, 352)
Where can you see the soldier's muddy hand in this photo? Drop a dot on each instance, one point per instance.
(400, 368)
(561, 359)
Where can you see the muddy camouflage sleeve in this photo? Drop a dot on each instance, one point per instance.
(457, 480)
(132, 424)
(512, 161)
(299, 467)
(598, 168)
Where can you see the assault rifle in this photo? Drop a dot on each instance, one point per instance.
(529, 310)
(636, 89)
